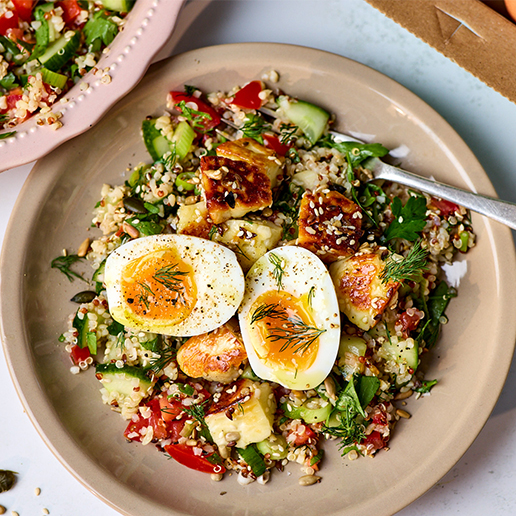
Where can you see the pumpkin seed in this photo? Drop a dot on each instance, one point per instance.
(86, 296)
(134, 205)
(309, 480)
(7, 480)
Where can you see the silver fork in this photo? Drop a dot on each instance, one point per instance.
(496, 209)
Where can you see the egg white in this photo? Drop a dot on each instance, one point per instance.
(217, 275)
(302, 270)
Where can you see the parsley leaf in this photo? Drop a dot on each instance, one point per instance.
(356, 152)
(98, 30)
(426, 386)
(408, 220)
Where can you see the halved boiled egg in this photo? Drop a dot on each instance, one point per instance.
(173, 284)
(290, 318)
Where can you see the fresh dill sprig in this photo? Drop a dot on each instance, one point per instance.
(278, 270)
(197, 412)
(168, 354)
(296, 334)
(192, 115)
(265, 311)
(408, 268)
(170, 277)
(63, 263)
(144, 294)
(254, 126)
(287, 133)
(311, 294)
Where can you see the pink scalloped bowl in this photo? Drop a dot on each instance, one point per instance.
(149, 25)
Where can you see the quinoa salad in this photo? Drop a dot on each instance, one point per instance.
(254, 294)
(46, 48)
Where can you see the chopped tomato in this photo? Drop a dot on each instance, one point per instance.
(206, 123)
(71, 10)
(185, 456)
(408, 321)
(249, 96)
(303, 434)
(14, 96)
(8, 20)
(446, 208)
(170, 408)
(175, 427)
(79, 354)
(374, 441)
(24, 8)
(132, 432)
(274, 143)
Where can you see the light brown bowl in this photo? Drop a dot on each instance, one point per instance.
(54, 209)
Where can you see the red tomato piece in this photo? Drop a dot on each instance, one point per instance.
(8, 20)
(71, 10)
(274, 143)
(79, 354)
(170, 409)
(185, 456)
(132, 432)
(446, 208)
(408, 321)
(249, 96)
(374, 441)
(303, 434)
(206, 123)
(24, 8)
(14, 96)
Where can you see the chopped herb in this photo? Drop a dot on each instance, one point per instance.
(170, 278)
(190, 90)
(254, 126)
(168, 354)
(408, 268)
(355, 152)
(287, 133)
(192, 115)
(185, 388)
(408, 220)
(426, 386)
(99, 29)
(197, 412)
(278, 270)
(63, 263)
(296, 334)
(3, 136)
(311, 294)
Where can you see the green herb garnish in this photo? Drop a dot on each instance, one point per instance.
(63, 263)
(192, 115)
(254, 126)
(408, 220)
(408, 268)
(278, 270)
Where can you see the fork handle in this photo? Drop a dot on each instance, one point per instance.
(501, 211)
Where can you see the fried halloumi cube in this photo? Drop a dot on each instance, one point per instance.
(215, 356)
(329, 225)
(243, 414)
(361, 292)
(249, 240)
(250, 151)
(194, 220)
(233, 188)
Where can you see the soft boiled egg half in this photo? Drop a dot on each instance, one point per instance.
(175, 285)
(290, 319)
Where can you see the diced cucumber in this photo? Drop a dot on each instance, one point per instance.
(122, 380)
(60, 51)
(249, 374)
(402, 352)
(158, 145)
(58, 80)
(311, 119)
(308, 413)
(183, 138)
(275, 445)
(39, 14)
(98, 275)
(253, 459)
(122, 6)
(351, 344)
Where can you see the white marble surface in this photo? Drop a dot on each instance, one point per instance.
(483, 480)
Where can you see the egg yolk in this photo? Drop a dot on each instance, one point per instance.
(159, 286)
(283, 331)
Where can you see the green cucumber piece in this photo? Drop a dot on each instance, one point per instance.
(183, 138)
(275, 445)
(122, 6)
(60, 52)
(58, 80)
(306, 413)
(121, 379)
(311, 119)
(157, 145)
(253, 458)
(400, 353)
